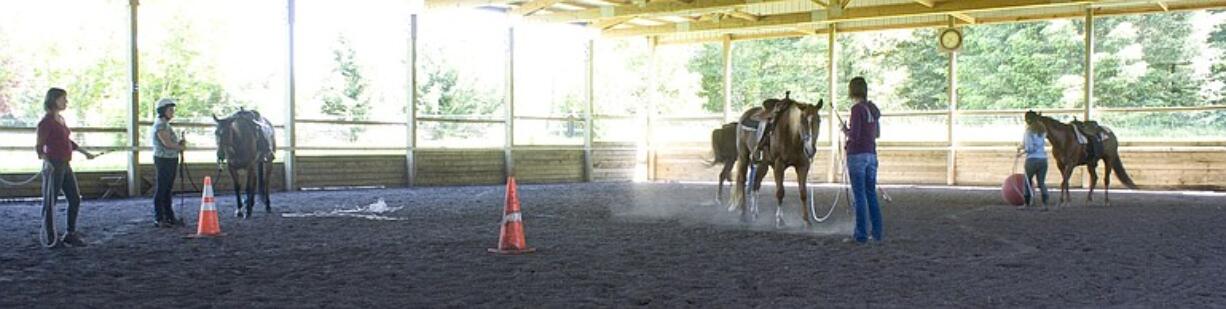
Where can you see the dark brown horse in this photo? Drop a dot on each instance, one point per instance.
(246, 141)
(790, 142)
(723, 148)
(1070, 153)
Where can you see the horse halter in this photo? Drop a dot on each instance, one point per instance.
(806, 135)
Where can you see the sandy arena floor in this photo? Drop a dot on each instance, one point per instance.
(619, 245)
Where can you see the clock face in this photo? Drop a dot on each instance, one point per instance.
(951, 39)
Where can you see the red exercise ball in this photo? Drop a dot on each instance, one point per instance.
(1011, 190)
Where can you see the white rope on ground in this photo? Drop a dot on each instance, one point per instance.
(841, 157)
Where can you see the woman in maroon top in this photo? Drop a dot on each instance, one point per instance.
(55, 149)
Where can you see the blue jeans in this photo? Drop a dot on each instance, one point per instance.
(863, 171)
(1036, 173)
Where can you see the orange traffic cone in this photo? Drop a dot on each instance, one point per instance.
(208, 225)
(511, 240)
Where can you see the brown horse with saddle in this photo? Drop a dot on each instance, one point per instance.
(1083, 143)
(246, 141)
(779, 134)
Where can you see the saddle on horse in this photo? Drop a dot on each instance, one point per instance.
(762, 121)
(266, 142)
(1091, 135)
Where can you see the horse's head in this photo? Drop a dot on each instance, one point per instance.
(812, 121)
(225, 137)
(803, 120)
(1031, 116)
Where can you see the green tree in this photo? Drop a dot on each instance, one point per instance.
(763, 69)
(178, 70)
(927, 85)
(1026, 74)
(1145, 61)
(445, 92)
(347, 97)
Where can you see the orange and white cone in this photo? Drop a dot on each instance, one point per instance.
(511, 240)
(208, 225)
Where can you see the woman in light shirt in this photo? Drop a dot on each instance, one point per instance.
(1033, 143)
(167, 147)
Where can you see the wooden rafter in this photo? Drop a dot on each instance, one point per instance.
(963, 17)
(527, 8)
(1100, 11)
(927, 3)
(650, 9)
(462, 4)
(1165, 8)
(864, 13)
(745, 16)
(605, 24)
(821, 3)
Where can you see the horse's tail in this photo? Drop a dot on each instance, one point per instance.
(715, 155)
(1118, 167)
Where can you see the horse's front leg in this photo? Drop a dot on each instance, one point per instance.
(1065, 173)
(265, 176)
(779, 169)
(251, 184)
(238, 193)
(802, 173)
(1093, 183)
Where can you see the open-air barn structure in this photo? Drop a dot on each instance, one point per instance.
(949, 157)
(420, 112)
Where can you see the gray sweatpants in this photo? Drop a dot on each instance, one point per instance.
(58, 177)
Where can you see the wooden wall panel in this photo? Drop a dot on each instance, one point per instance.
(613, 161)
(354, 170)
(990, 167)
(445, 167)
(548, 165)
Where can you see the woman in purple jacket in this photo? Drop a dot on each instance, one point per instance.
(862, 159)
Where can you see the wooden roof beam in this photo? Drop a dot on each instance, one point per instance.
(1165, 8)
(605, 24)
(669, 8)
(745, 16)
(927, 3)
(963, 17)
(820, 3)
(461, 4)
(527, 8)
(856, 14)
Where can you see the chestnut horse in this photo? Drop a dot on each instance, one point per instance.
(791, 141)
(1070, 153)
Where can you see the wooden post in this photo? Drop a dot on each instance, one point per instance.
(588, 123)
(951, 160)
(411, 121)
(727, 60)
(1089, 67)
(509, 107)
(832, 79)
(652, 97)
(134, 183)
(1089, 80)
(291, 132)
